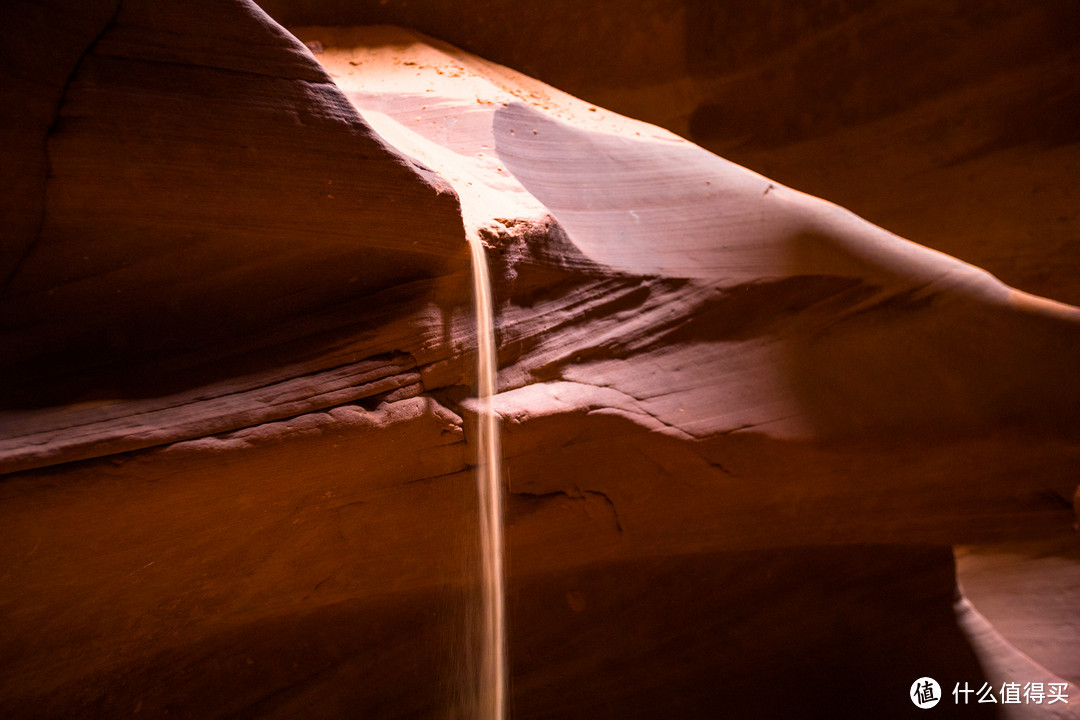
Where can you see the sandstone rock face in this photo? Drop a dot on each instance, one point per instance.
(952, 124)
(190, 220)
(742, 426)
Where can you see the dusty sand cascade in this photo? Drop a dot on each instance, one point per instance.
(743, 429)
(491, 685)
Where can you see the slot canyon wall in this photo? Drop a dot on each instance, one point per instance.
(949, 123)
(749, 436)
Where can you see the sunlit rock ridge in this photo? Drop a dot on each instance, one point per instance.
(743, 428)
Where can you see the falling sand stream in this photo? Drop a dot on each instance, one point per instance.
(491, 698)
(486, 696)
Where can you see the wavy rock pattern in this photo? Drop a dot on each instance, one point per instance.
(742, 426)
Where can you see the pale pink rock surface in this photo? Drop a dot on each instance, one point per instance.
(743, 427)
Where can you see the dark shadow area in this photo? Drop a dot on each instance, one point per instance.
(801, 632)
(809, 633)
(389, 656)
(182, 358)
(791, 74)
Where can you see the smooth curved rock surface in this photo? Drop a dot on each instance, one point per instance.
(209, 192)
(952, 124)
(241, 193)
(743, 427)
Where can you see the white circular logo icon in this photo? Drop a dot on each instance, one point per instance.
(925, 693)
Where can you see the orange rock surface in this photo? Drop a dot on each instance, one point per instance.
(743, 427)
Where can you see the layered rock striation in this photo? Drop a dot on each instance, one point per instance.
(742, 426)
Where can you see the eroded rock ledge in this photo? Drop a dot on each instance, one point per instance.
(743, 427)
